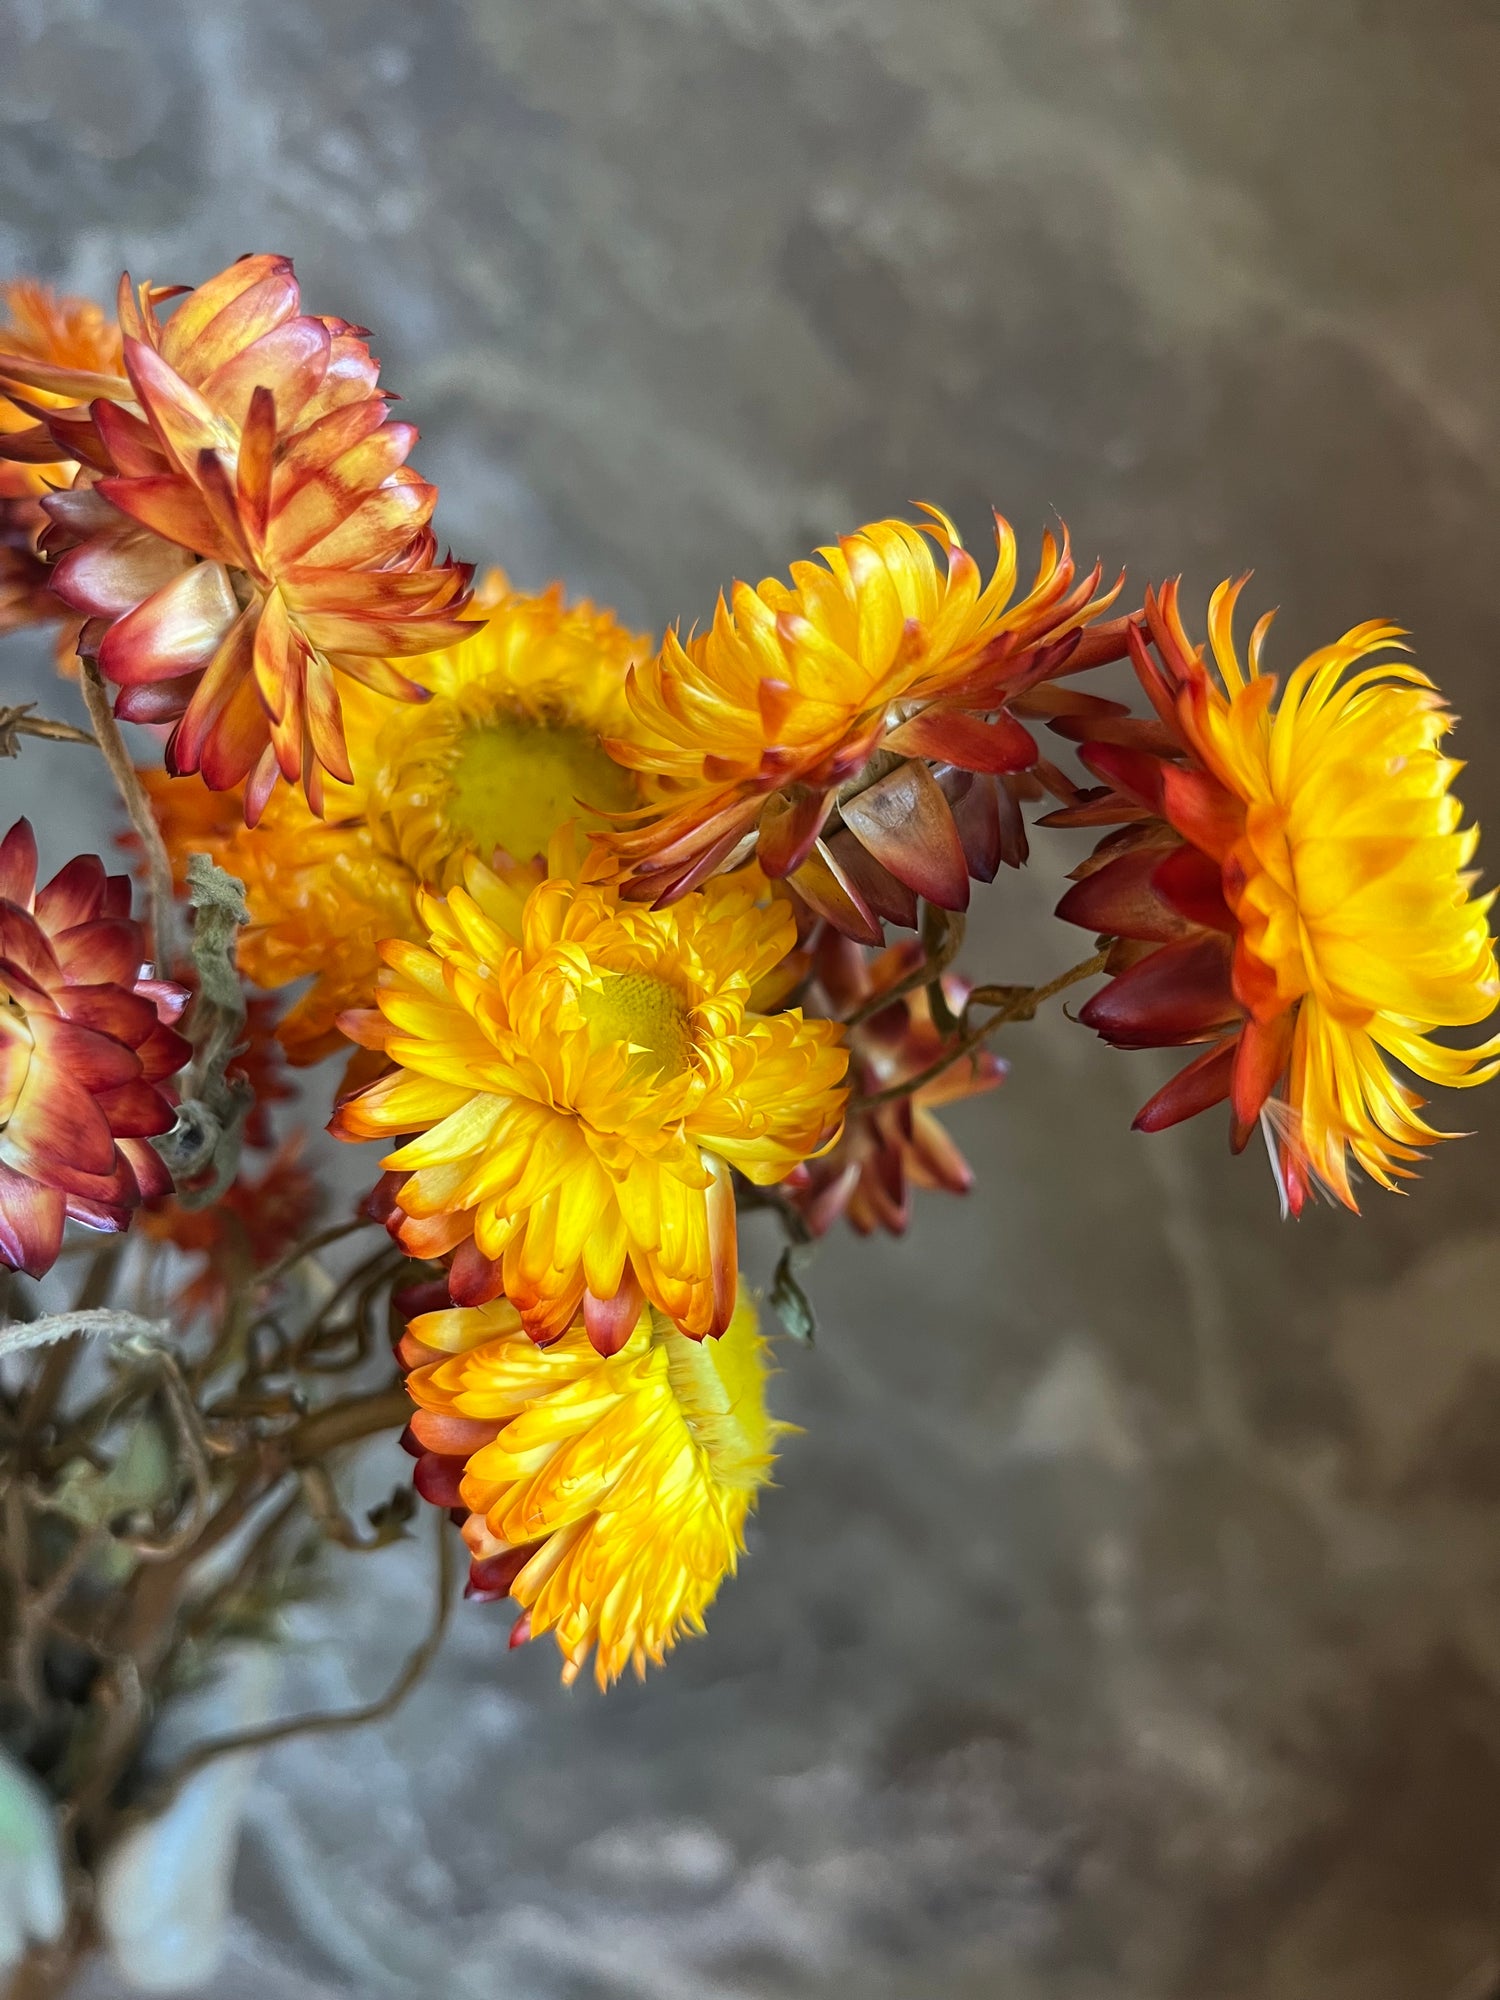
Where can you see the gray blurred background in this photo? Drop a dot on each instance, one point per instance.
(1126, 1623)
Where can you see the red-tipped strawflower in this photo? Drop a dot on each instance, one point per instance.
(244, 529)
(86, 1051)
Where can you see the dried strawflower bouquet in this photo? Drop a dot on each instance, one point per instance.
(618, 939)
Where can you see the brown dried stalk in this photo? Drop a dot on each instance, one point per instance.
(942, 940)
(62, 1597)
(17, 720)
(165, 931)
(1012, 1003)
(263, 1737)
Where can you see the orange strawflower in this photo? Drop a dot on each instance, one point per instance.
(849, 729)
(1290, 887)
(244, 534)
(67, 332)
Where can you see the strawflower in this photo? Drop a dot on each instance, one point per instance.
(320, 893)
(581, 1076)
(507, 749)
(243, 534)
(511, 745)
(66, 332)
(890, 1148)
(607, 1496)
(1290, 886)
(86, 1053)
(854, 729)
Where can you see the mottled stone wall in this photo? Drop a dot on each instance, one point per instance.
(1125, 1625)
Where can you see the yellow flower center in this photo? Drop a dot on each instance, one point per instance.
(514, 782)
(15, 1054)
(720, 1389)
(646, 1013)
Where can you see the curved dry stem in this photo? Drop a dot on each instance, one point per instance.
(18, 719)
(942, 938)
(309, 1247)
(411, 1673)
(1020, 1004)
(164, 929)
(345, 1422)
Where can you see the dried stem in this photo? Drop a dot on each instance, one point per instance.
(1019, 1005)
(164, 928)
(18, 720)
(346, 1422)
(350, 1718)
(195, 1451)
(47, 1972)
(942, 937)
(52, 1327)
(309, 1247)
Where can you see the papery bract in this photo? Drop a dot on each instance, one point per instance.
(856, 730)
(890, 1148)
(66, 333)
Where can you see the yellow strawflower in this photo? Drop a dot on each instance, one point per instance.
(852, 728)
(508, 748)
(1300, 865)
(607, 1495)
(581, 1075)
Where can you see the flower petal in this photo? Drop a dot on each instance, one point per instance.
(18, 865)
(31, 1223)
(179, 627)
(905, 822)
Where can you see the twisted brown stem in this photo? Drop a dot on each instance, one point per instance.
(18, 720)
(417, 1663)
(1019, 1004)
(942, 937)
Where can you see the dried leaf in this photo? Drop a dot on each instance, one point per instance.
(100, 1320)
(202, 1151)
(792, 1305)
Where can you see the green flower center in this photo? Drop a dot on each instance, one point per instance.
(645, 1013)
(514, 783)
(720, 1386)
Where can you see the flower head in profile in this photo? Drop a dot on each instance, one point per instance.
(507, 749)
(1289, 887)
(853, 729)
(244, 535)
(86, 1054)
(607, 1495)
(890, 1148)
(580, 1077)
(65, 332)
